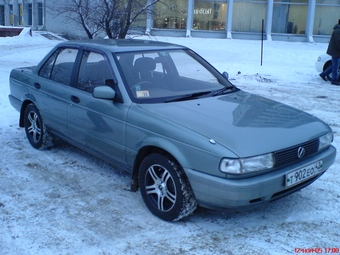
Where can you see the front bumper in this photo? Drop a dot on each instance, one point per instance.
(242, 194)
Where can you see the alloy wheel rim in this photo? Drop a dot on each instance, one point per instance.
(160, 187)
(34, 128)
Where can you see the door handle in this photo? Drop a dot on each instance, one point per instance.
(37, 85)
(75, 99)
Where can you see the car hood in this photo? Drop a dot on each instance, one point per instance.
(244, 123)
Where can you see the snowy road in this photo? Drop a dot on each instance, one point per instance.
(64, 201)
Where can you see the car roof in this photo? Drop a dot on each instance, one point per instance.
(121, 45)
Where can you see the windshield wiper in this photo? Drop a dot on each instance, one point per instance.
(188, 96)
(223, 91)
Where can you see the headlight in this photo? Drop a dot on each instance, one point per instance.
(247, 165)
(325, 140)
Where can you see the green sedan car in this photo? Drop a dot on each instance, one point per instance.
(186, 134)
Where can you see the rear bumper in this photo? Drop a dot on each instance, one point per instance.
(319, 66)
(15, 102)
(323, 61)
(243, 194)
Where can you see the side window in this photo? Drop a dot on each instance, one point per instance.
(94, 71)
(59, 66)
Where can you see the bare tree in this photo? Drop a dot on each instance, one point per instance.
(77, 12)
(114, 17)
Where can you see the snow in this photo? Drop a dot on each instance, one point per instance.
(64, 201)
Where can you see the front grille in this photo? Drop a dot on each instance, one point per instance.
(290, 155)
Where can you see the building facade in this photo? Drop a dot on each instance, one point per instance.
(294, 20)
(22, 13)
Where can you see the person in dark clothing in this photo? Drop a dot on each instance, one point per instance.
(325, 74)
(334, 51)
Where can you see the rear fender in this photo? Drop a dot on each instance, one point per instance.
(22, 112)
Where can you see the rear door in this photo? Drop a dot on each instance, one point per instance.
(52, 88)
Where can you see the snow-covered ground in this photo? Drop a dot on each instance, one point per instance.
(64, 201)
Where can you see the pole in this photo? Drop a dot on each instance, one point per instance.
(262, 41)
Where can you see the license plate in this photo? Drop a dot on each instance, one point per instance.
(302, 174)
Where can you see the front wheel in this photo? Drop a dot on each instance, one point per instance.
(165, 188)
(36, 131)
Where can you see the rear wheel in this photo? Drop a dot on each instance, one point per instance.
(36, 131)
(165, 188)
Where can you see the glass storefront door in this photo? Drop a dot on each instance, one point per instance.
(248, 15)
(170, 14)
(210, 15)
(327, 14)
(290, 16)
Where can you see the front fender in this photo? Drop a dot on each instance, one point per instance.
(200, 154)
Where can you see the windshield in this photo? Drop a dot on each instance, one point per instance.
(169, 75)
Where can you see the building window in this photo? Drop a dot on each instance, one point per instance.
(30, 15)
(40, 14)
(21, 13)
(326, 16)
(2, 15)
(170, 14)
(290, 16)
(11, 12)
(248, 15)
(210, 15)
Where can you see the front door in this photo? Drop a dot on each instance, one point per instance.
(98, 124)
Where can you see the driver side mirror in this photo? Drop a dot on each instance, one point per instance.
(104, 92)
(225, 75)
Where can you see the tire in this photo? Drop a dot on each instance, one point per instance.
(36, 131)
(165, 188)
